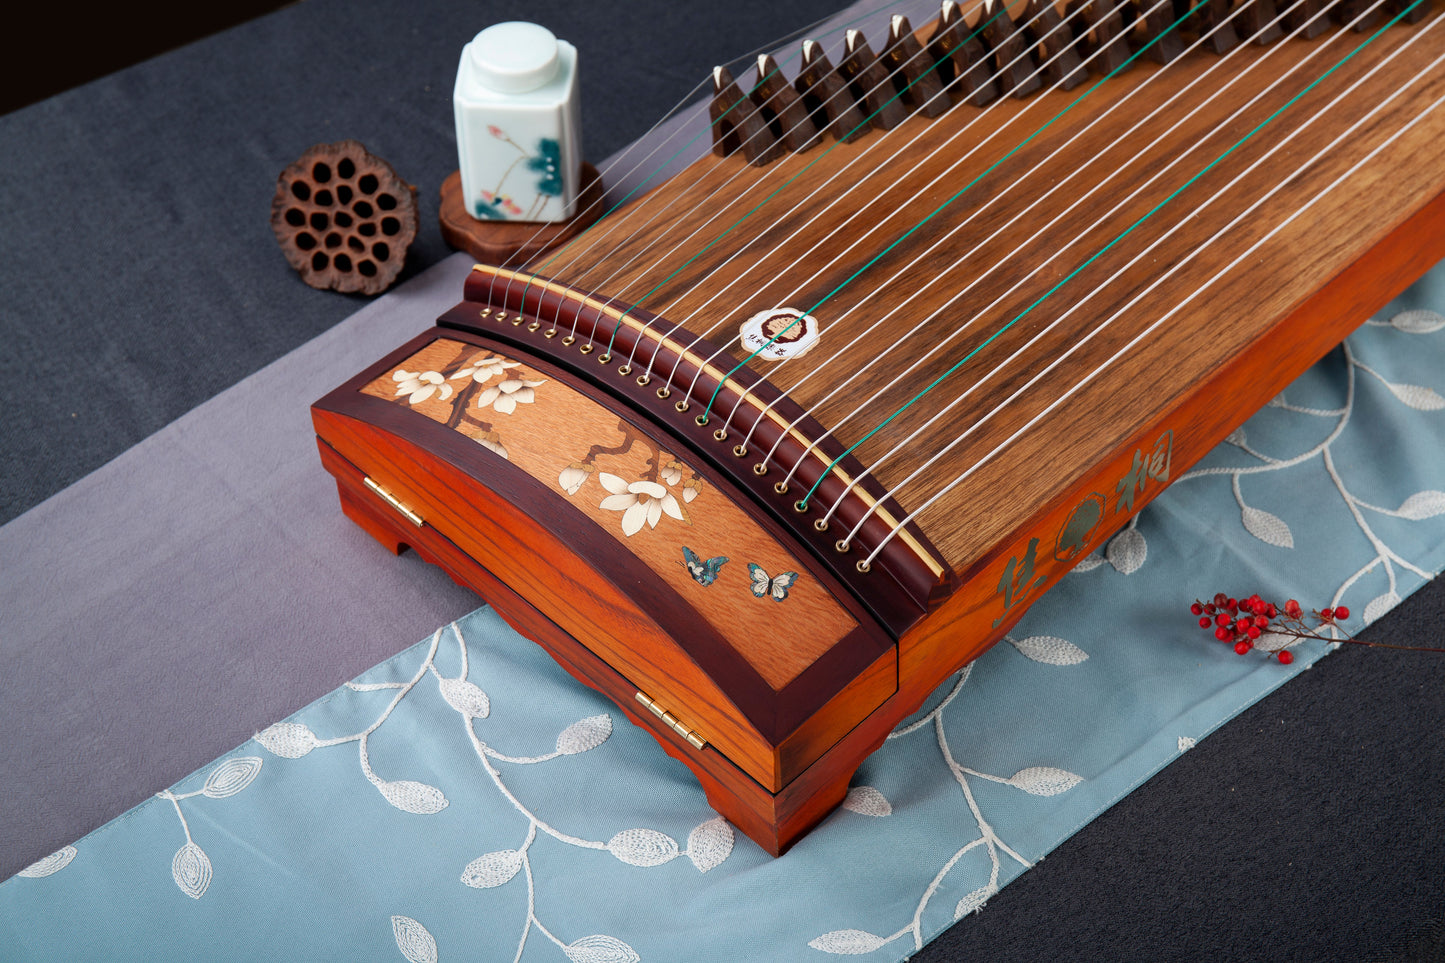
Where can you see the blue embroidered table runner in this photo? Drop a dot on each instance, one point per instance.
(468, 800)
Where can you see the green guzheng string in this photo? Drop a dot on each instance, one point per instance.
(803, 502)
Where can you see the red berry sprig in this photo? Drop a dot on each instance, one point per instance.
(1243, 622)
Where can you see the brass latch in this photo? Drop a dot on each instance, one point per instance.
(695, 740)
(394, 502)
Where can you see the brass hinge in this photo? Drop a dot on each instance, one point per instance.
(394, 502)
(695, 740)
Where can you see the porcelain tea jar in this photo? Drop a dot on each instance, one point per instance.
(518, 136)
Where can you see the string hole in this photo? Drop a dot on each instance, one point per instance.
(740, 450)
(781, 488)
(550, 334)
(486, 312)
(842, 545)
(586, 349)
(800, 506)
(721, 434)
(664, 392)
(501, 316)
(517, 320)
(644, 381)
(604, 358)
(760, 469)
(681, 405)
(863, 566)
(625, 370)
(570, 340)
(534, 325)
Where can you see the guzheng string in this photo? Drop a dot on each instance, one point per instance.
(900, 151)
(1199, 290)
(1129, 230)
(673, 111)
(878, 143)
(1218, 64)
(1007, 258)
(591, 239)
(657, 239)
(703, 418)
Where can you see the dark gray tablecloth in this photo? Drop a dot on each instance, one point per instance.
(139, 278)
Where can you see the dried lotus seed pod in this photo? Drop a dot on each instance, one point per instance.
(343, 218)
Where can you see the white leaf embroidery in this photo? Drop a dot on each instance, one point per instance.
(1127, 551)
(231, 776)
(1380, 605)
(1236, 437)
(465, 697)
(584, 734)
(1050, 650)
(413, 797)
(1090, 562)
(1045, 780)
(847, 942)
(1416, 396)
(1273, 642)
(1277, 401)
(50, 865)
(973, 902)
(867, 801)
(1418, 322)
(1266, 527)
(600, 949)
(493, 869)
(1186, 743)
(290, 740)
(1426, 504)
(191, 869)
(415, 943)
(643, 847)
(710, 843)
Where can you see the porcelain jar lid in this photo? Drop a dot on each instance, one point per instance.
(514, 57)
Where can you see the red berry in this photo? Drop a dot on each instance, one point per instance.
(1253, 632)
(1196, 609)
(1222, 619)
(1261, 621)
(1210, 609)
(1327, 615)
(1205, 621)
(1270, 611)
(1285, 658)
(1242, 647)
(1292, 609)
(1341, 613)
(1221, 599)
(1223, 634)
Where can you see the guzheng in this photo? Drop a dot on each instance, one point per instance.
(779, 444)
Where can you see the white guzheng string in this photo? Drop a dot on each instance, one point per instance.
(802, 504)
(761, 181)
(875, 145)
(857, 188)
(1048, 228)
(594, 240)
(885, 140)
(1242, 258)
(703, 418)
(672, 112)
(1218, 64)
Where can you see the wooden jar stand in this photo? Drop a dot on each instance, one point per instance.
(515, 242)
